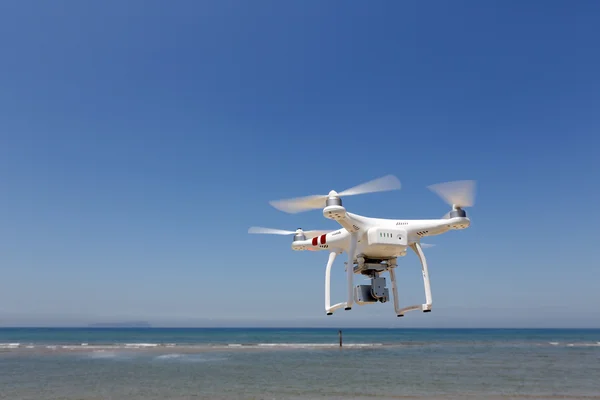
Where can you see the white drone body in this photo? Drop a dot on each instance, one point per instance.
(373, 245)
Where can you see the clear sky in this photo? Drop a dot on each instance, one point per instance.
(140, 140)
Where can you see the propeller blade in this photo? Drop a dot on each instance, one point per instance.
(456, 193)
(260, 229)
(271, 231)
(299, 204)
(427, 245)
(383, 184)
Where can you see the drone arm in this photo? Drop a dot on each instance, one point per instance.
(351, 222)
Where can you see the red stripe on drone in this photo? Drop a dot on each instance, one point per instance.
(314, 241)
(323, 239)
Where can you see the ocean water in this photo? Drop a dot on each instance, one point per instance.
(152, 363)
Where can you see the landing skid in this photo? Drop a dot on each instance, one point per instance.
(376, 291)
(416, 247)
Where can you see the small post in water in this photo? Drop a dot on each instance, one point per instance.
(340, 335)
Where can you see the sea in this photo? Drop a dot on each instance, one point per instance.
(240, 363)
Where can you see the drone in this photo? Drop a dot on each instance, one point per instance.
(373, 245)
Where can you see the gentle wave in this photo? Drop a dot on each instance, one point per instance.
(316, 344)
(289, 345)
(194, 358)
(597, 344)
(152, 345)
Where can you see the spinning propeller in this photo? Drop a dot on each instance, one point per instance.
(299, 204)
(271, 231)
(457, 194)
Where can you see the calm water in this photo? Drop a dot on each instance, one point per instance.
(298, 364)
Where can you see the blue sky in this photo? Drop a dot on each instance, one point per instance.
(139, 141)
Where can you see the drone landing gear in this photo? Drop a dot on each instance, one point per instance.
(329, 309)
(424, 307)
(376, 291)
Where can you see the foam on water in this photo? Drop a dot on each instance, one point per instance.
(203, 347)
(194, 358)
